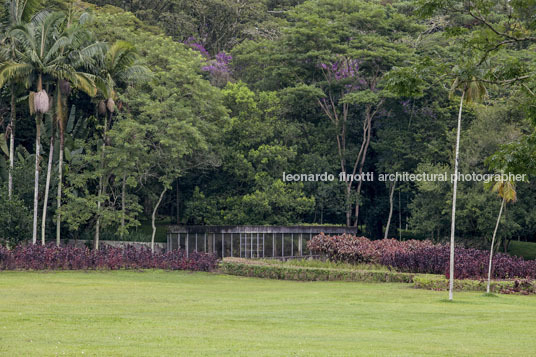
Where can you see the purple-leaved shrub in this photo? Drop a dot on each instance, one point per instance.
(51, 257)
(414, 256)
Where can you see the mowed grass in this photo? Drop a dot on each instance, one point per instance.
(157, 313)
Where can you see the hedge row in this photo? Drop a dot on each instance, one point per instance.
(51, 257)
(421, 257)
(310, 274)
(520, 286)
(248, 268)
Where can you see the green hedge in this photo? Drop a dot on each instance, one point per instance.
(311, 274)
(285, 271)
(498, 286)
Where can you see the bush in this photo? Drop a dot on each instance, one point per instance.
(275, 270)
(522, 286)
(421, 257)
(50, 257)
(15, 220)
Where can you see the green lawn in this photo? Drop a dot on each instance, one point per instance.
(156, 313)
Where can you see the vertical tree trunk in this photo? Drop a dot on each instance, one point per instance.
(153, 218)
(123, 204)
(399, 216)
(47, 189)
(390, 210)
(97, 224)
(492, 244)
(178, 203)
(36, 180)
(454, 191)
(60, 178)
(38, 119)
(101, 181)
(369, 116)
(12, 142)
(348, 206)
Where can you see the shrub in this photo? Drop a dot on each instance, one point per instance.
(522, 286)
(421, 257)
(277, 270)
(50, 257)
(15, 220)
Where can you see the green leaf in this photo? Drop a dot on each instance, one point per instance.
(68, 155)
(3, 145)
(72, 116)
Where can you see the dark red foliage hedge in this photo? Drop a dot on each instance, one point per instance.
(421, 257)
(50, 257)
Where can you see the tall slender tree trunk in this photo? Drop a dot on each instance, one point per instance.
(153, 218)
(492, 245)
(368, 119)
(178, 203)
(454, 191)
(390, 210)
(123, 203)
(97, 224)
(399, 217)
(102, 188)
(36, 179)
(12, 142)
(38, 119)
(47, 189)
(348, 205)
(60, 178)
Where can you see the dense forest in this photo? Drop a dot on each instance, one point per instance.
(118, 113)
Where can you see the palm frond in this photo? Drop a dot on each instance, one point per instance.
(85, 82)
(11, 71)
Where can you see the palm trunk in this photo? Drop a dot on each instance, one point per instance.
(362, 162)
(153, 218)
(47, 189)
(348, 206)
(61, 104)
(101, 182)
(12, 143)
(60, 178)
(492, 244)
(390, 210)
(38, 119)
(123, 204)
(399, 217)
(97, 224)
(178, 203)
(454, 191)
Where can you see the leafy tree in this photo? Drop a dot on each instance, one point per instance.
(505, 190)
(471, 89)
(218, 24)
(15, 220)
(38, 57)
(17, 12)
(119, 66)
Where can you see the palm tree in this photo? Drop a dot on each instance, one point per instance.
(39, 56)
(471, 90)
(18, 12)
(47, 185)
(119, 66)
(82, 53)
(507, 191)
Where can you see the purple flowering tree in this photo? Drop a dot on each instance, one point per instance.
(218, 68)
(347, 85)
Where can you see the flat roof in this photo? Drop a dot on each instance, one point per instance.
(262, 229)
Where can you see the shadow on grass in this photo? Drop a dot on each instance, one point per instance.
(458, 301)
(490, 295)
